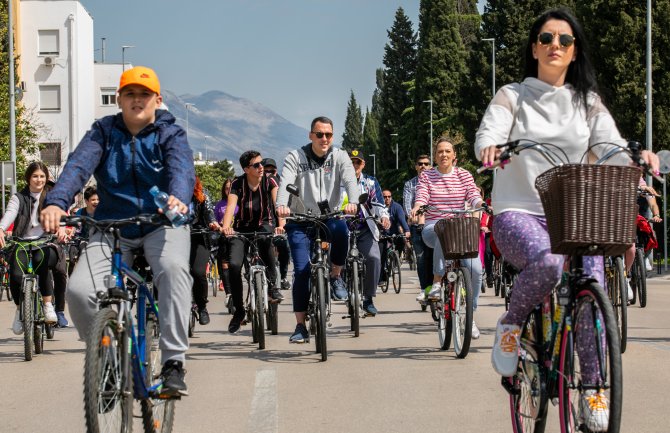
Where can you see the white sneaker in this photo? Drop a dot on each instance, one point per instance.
(435, 291)
(475, 331)
(422, 296)
(50, 313)
(630, 290)
(505, 352)
(594, 410)
(647, 264)
(17, 326)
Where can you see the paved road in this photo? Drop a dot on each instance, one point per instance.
(390, 379)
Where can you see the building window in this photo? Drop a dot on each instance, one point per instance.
(49, 98)
(108, 95)
(48, 42)
(50, 153)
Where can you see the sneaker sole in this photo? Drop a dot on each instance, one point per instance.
(299, 341)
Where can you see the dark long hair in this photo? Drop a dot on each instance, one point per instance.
(580, 72)
(224, 193)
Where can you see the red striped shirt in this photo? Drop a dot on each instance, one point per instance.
(446, 191)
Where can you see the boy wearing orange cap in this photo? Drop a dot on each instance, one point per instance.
(128, 153)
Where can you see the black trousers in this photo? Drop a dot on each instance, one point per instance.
(44, 258)
(238, 250)
(198, 260)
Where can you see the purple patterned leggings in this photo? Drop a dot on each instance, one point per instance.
(524, 242)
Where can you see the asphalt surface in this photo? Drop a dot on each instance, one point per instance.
(393, 378)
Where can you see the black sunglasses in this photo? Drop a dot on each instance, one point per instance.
(564, 39)
(387, 196)
(256, 165)
(321, 134)
(423, 164)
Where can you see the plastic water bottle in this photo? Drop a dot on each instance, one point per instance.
(161, 199)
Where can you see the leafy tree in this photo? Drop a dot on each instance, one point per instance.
(353, 125)
(213, 176)
(370, 133)
(26, 126)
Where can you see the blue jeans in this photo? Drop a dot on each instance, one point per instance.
(474, 266)
(424, 254)
(300, 238)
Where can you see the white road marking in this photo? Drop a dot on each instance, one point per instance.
(263, 416)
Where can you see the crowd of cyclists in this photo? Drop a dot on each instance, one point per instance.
(127, 154)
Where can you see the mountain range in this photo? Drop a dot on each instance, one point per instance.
(222, 126)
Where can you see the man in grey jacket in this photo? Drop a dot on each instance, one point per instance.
(317, 170)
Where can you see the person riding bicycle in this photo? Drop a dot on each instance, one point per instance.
(318, 170)
(368, 238)
(22, 210)
(447, 187)
(398, 226)
(202, 218)
(129, 153)
(424, 254)
(557, 103)
(256, 195)
(281, 244)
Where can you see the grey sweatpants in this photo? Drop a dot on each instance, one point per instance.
(166, 249)
(369, 247)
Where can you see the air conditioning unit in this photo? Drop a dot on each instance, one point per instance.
(49, 61)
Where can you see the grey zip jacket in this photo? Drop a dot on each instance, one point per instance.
(317, 179)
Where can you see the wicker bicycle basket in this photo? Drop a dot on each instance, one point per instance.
(590, 209)
(459, 237)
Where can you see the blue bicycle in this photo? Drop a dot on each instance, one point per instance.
(122, 355)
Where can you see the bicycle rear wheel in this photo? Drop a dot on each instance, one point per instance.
(321, 313)
(640, 277)
(108, 388)
(258, 319)
(442, 311)
(273, 318)
(28, 313)
(193, 317)
(395, 270)
(618, 294)
(528, 402)
(387, 271)
(157, 414)
(602, 374)
(461, 316)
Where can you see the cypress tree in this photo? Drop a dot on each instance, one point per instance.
(352, 138)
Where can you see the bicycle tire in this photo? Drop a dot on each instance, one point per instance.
(387, 270)
(618, 293)
(354, 298)
(461, 316)
(496, 277)
(321, 344)
(444, 330)
(2, 292)
(157, 414)
(590, 297)
(412, 261)
(50, 331)
(108, 381)
(273, 318)
(529, 405)
(259, 313)
(38, 338)
(191, 322)
(641, 276)
(28, 310)
(395, 271)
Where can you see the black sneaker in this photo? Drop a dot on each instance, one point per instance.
(369, 308)
(172, 377)
(203, 316)
(276, 294)
(301, 335)
(235, 322)
(285, 285)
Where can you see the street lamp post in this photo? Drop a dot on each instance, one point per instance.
(374, 165)
(123, 55)
(493, 64)
(430, 101)
(396, 149)
(188, 108)
(12, 95)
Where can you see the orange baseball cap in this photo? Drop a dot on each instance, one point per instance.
(143, 76)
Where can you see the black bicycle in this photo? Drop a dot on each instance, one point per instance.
(392, 264)
(617, 290)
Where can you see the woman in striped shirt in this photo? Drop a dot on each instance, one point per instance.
(447, 187)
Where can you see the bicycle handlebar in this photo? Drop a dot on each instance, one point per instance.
(150, 219)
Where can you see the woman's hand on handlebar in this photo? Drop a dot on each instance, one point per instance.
(652, 161)
(279, 230)
(228, 231)
(283, 211)
(50, 218)
(489, 154)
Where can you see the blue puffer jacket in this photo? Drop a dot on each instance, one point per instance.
(126, 167)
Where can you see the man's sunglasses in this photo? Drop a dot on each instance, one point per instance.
(387, 196)
(564, 39)
(328, 135)
(423, 164)
(256, 165)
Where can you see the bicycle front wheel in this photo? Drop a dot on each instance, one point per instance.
(354, 298)
(28, 311)
(442, 310)
(108, 388)
(618, 294)
(640, 277)
(590, 372)
(528, 404)
(461, 316)
(157, 413)
(395, 270)
(258, 319)
(321, 313)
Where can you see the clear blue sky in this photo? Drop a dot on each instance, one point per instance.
(300, 58)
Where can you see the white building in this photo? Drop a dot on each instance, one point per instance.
(107, 77)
